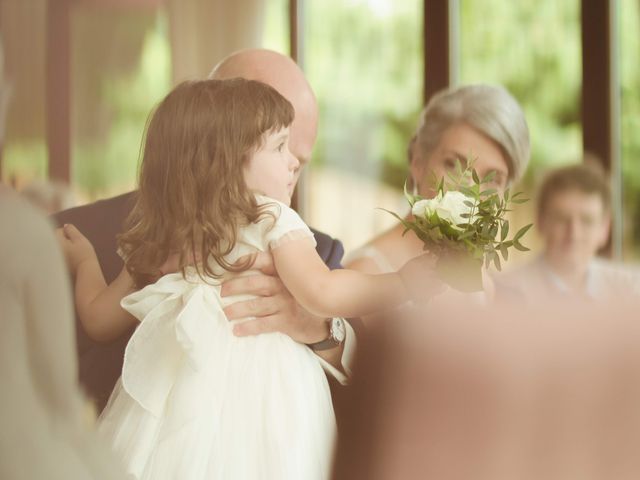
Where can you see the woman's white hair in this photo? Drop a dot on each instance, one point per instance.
(489, 109)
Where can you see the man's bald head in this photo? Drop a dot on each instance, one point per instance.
(283, 74)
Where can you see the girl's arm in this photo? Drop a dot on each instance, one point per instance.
(97, 304)
(346, 293)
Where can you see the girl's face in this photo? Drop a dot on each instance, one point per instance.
(271, 170)
(459, 143)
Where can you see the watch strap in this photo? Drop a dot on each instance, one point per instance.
(328, 343)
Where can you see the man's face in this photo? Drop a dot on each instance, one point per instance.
(302, 137)
(574, 226)
(285, 76)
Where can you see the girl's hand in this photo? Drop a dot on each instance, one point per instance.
(76, 247)
(420, 278)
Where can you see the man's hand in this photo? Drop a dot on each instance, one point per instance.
(274, 309)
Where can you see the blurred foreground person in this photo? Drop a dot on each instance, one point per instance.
(574, 220)
(43, 415)
(497, 394)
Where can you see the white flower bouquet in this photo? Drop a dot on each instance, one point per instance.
(464, 225)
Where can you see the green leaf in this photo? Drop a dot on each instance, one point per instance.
(496, 262)
(488, 192)
(519, 200)
(407, 195)
(521, 232)
(504, 231)
(487, 260)
(475, 177)
(506, 195)
(489, 177)
(394, 214)
(466, 235)
(518, 246)
(504, 250)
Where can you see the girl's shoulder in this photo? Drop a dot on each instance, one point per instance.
(277, 210)
(279, 221)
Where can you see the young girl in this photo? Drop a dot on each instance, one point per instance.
(194, 401)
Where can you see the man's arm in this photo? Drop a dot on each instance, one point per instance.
(275, 310)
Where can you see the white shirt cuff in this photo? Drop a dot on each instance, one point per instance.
(348, 357)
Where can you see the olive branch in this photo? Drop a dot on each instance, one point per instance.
(484, 236)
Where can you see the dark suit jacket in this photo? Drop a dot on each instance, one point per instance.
(101, 364)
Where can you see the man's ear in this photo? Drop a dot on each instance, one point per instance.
(605, 229)
(539, 223)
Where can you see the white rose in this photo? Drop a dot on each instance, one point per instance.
(451, 208)
(425, 208)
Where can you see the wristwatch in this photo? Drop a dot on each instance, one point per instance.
(337, 334)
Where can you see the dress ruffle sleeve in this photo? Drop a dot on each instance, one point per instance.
(288, 225)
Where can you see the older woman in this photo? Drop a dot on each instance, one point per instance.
(479, 122)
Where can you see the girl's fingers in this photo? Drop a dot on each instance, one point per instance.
(70, 231)
(60, 236)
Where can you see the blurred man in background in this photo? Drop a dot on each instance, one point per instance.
(574, 220)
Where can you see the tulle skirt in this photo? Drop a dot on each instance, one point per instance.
(196, 402)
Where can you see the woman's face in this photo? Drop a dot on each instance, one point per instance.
(460, 142)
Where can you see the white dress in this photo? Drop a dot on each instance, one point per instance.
(196, 402)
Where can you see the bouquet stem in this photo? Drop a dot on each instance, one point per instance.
(460, 271)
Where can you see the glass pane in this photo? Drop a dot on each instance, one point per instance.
(364, 60)
(534, 50)
(276, 26)
(121, 69)
(629, 20)
(24, 155)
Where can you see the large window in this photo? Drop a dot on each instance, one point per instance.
(364, 60)
(121, 68)
(276, 26)
(534, 50)
(629, 40)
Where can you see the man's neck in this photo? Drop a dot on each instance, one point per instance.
(574, 276)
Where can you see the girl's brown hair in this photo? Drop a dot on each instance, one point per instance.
(192, 194)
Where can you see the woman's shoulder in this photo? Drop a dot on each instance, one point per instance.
(277, 222)
(389, 251)
(376, 256)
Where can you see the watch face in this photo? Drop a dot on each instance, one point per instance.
(338, 331)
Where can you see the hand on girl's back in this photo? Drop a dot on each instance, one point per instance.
(273, 309)
(75, 246)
